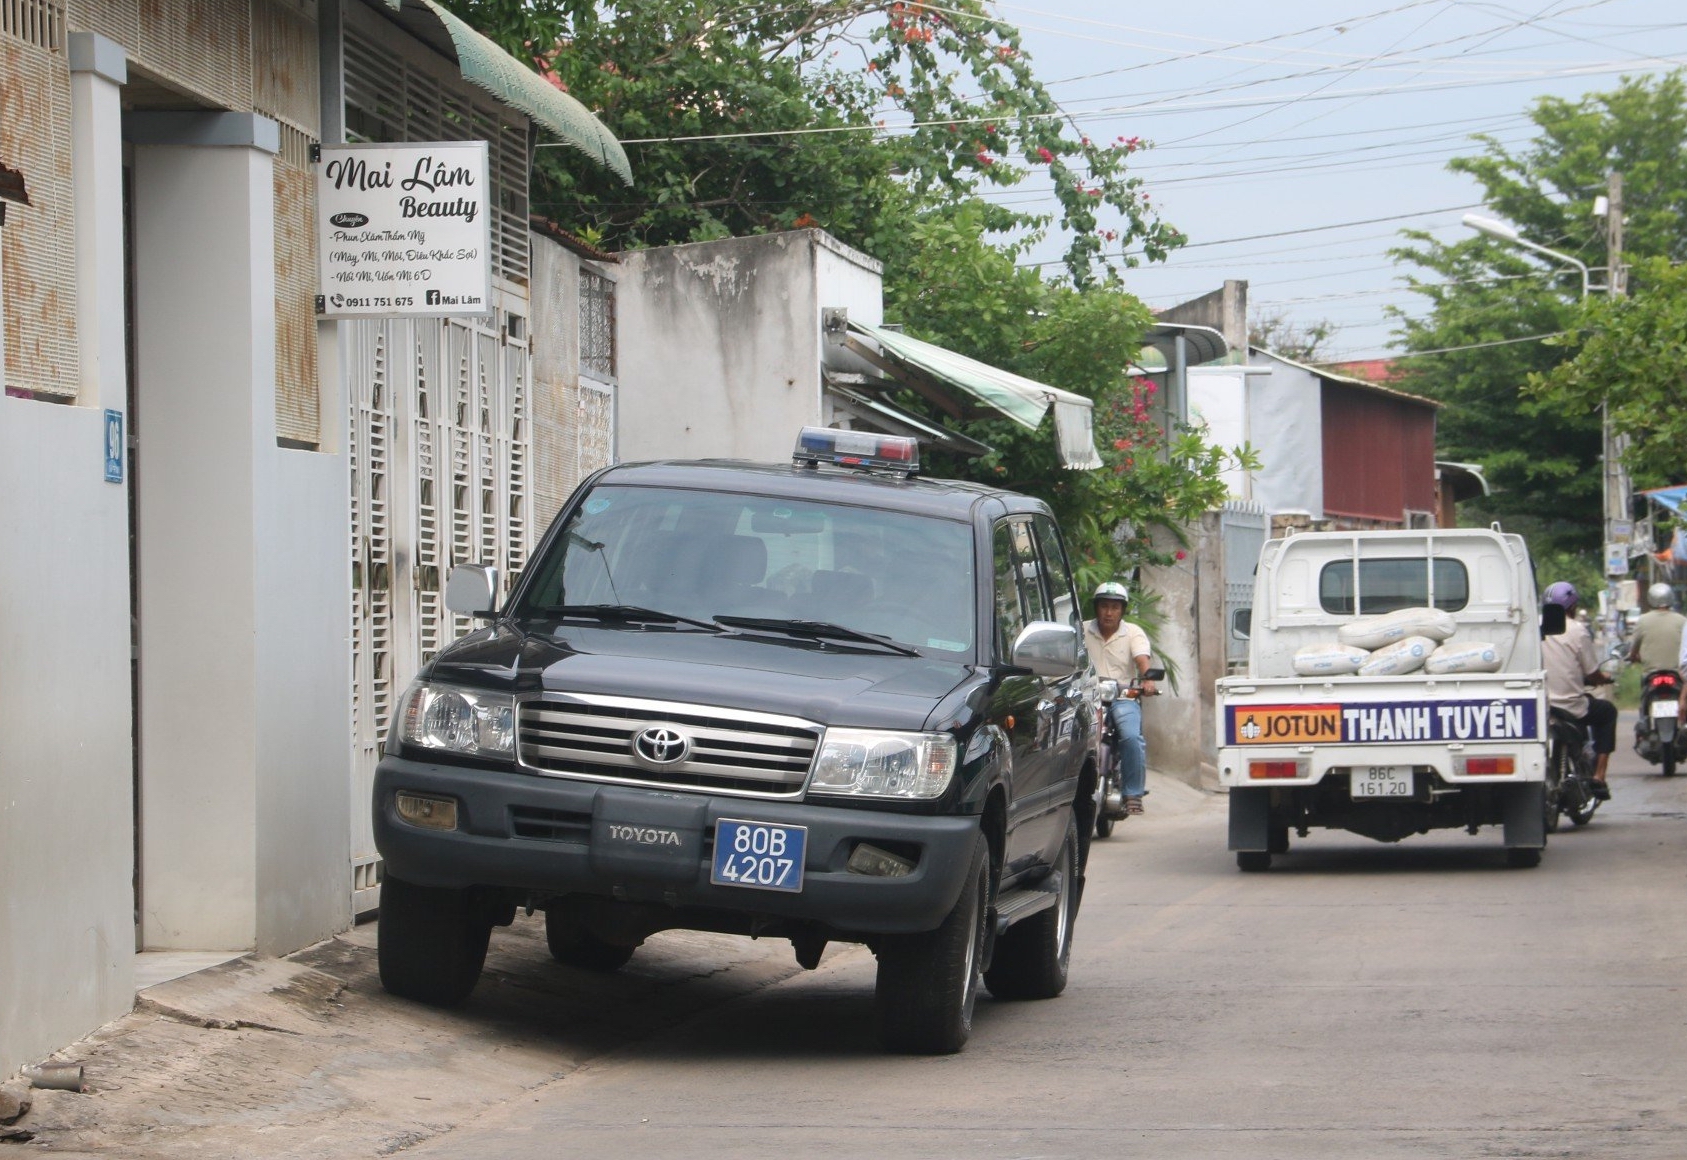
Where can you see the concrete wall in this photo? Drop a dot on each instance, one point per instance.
(721, 343)
(67, 935)
(1178, 725)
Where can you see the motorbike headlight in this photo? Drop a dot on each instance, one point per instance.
(880, 763)
(464, 721)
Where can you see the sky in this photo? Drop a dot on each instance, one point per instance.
(1293, 140)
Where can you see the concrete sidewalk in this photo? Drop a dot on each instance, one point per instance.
(307, 1057)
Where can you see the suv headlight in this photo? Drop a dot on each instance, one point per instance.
(879, 763)
(465, 721)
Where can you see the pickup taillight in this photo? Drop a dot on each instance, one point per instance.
(1489, 766)
(1273, 770)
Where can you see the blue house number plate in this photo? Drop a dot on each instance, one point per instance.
(760, 855)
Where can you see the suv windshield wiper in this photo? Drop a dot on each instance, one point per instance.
(627, 614)
(816, 630)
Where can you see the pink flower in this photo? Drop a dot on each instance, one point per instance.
(1042, 151)
(1181, 553)
(985, 158)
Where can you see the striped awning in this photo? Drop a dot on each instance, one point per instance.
(1023, 400)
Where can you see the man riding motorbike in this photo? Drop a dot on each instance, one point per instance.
(1656, 643)
(1119, 650)
(1656, 646)
(1571, 665)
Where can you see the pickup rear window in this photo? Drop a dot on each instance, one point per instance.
(1383, 585)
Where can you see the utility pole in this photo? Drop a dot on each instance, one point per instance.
(1619, 525)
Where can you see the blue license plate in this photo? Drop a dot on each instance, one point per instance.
(760, 855)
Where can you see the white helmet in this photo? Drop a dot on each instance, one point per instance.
(1660, 595)
(1112, 590)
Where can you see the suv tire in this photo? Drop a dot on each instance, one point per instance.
(927, 985)
(431, 942)
(1032, 960)
(574, 946)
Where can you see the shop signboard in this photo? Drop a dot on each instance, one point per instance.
(404, 229)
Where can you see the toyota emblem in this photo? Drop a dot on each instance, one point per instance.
(661, 745)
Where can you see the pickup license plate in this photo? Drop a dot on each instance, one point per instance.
(759, 855)
(1382, 781)
(1665, 709)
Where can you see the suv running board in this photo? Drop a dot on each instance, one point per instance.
(1026, 901)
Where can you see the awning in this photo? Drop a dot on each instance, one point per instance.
(1201, 344)
(1673, 498)
(483, 63)
(1023, 400)
(851, 397)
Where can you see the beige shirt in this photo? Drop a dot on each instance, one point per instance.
(1657, 636)
(1115, 657)
(1569, 658)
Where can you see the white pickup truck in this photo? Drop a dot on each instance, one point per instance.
(1388, 756)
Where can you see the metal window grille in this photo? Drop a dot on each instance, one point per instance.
(597, 325)
(35, 22)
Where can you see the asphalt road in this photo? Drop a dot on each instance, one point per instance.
(1358, 1000)
(1418, 999)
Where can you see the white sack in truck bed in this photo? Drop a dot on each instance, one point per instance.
(1403, 656)
(1376, 631)
(1328, 659)
(1471, 657)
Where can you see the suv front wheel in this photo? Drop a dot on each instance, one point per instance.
(431, 942)
(928, 983)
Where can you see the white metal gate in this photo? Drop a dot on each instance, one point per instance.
(439, 476)
(1242, 532)
(440, 409)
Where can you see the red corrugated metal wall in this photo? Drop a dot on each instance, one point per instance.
(1379, 454)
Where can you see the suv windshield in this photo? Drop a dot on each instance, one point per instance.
(706, 554)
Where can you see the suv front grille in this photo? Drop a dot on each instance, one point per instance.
(729, 751)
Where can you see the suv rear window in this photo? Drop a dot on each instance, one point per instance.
(1383, 585)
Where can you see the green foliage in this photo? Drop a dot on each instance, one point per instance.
(1541, 456)
(676, 80)
(955, 289)
(1632, 351)
(661, 71)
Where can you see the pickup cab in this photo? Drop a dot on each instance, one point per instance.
(829, 701)
(1387, 756)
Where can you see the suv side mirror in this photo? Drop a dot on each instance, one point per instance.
(1047, 649)
(472, 590)
(1553, 620)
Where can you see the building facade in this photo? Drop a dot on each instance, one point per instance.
(225, 520)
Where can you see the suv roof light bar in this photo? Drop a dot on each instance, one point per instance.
(861, 449)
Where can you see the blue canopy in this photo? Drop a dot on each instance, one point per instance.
(1672, 498)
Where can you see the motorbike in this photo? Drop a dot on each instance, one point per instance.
(1110, 797)
(1657, 735)
(1569, 773)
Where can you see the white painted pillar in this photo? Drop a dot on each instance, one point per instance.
(205, 376)
(98, 70)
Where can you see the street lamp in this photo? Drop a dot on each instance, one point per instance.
(1614, 492)
(1507, 232)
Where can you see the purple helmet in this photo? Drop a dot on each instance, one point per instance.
(1564, 594)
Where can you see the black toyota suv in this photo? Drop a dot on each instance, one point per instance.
(829, 701)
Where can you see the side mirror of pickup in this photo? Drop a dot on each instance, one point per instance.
(472, 590)
(1047, 649)
(1242, 623)
(1552, 620)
